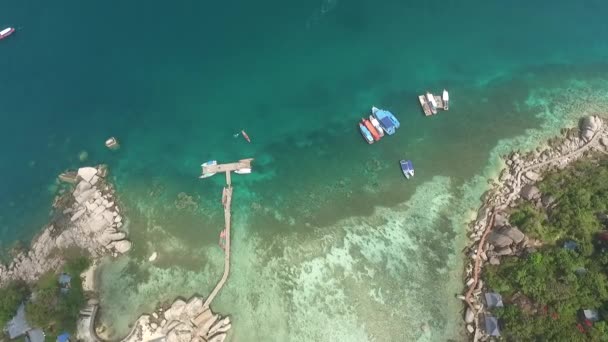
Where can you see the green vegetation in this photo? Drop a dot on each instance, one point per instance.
(49, 308)
(53, 310)
(10, 297)
(545, 291)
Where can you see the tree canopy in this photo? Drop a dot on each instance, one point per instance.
(556, 283)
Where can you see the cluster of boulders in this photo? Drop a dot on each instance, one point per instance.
(181, 322)
(96, 218)
(87, 218)
(517, 181)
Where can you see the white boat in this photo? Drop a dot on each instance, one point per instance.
(431, 100)
(243, 171)
(374, 110)
(207, 174)
(6, 32)
(407, 168)
(446, 99)
(376, 125)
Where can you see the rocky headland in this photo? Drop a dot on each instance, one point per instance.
(86, 217)
(492, 237)
(181, 322)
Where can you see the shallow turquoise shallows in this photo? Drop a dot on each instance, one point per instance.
(330, 241)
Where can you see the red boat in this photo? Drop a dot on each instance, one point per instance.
(6, 32)
(371, 129)
(245, 136)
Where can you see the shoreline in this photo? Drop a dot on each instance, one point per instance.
(515, 181)
(87, 217)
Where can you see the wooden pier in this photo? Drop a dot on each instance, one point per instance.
(242, 166)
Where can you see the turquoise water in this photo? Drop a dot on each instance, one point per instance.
(330, 241)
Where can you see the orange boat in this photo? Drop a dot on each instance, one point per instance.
(245, 136)
(371, 129)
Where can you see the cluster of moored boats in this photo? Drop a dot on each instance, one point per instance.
(431, 103)
(379, 123)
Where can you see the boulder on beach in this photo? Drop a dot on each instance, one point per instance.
(122, 246)
(589, 126)
(87, 173)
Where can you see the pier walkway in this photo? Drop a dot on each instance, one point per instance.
(243, 166)
(227, 201)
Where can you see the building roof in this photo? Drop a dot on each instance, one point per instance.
(570, 245)
(65, 337)
(64, 279)
(18, 326)
(493, 300)
(591, 315)
(491, 326)
(35, 335)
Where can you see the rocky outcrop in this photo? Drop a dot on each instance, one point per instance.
(86, 218)
(530, 192)
(517, 181)
(589, 126)
(182, 321)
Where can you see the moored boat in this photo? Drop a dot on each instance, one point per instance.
(446, 99)
(207, 174)
(6, 32)
(407, 168)
(431, 100)
(366, 134)
(245, 136)
(370, 127)
(243, 171)
(376, 125)
(387, 120)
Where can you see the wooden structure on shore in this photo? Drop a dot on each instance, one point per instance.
(242, 166)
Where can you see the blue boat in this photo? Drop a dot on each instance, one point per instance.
(388, 121)
(408, 168)
(366, 134)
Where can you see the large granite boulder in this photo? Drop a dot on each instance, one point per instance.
(175, 311)
(530, 192)
(531, 175)
(122, 246)
(514, 233)
(87, 173)
(193, 308)
(500, 220)
(499, 240)
(589, 126)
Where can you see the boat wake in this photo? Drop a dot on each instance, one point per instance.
(326, 7)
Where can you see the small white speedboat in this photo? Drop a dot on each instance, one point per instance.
(204, 173)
